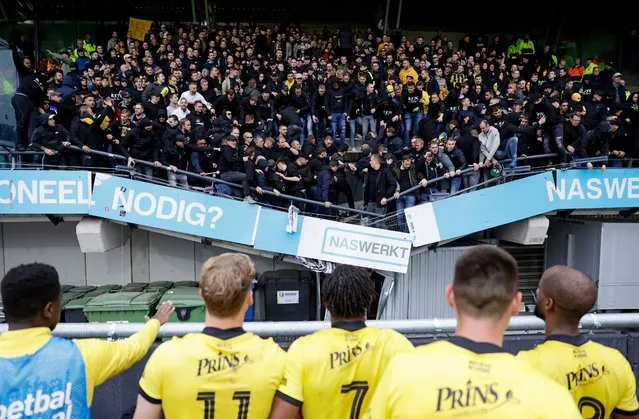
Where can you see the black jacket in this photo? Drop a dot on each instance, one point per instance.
(384, 187)
(231, 160)
(141, 144)
(457, 157)
(49, 137)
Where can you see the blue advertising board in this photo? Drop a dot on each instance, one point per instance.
(174, 209)
(479, 210)
(592, 189)
(44, 191)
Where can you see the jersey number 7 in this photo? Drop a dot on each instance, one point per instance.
(243, 397)
(360, 388)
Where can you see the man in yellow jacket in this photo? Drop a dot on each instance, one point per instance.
(407, 70)
(47, 376)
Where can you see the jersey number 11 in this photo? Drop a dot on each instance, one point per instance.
(243, 397)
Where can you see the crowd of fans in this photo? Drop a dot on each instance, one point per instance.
(280, 110)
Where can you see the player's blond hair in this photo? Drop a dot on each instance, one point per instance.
(224, 281)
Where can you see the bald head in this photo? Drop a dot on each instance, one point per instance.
(573, 292)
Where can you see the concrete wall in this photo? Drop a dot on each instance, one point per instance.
(145, 257)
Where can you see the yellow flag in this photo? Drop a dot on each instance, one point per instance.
(139, 27)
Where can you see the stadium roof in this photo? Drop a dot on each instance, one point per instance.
(515, 17)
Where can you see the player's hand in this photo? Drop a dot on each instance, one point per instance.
(163, 313)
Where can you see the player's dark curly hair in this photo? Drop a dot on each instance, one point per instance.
(348, 292)
(26, 289)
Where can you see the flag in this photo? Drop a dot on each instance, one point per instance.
(139, 27)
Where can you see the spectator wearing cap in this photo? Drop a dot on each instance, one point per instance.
(616, 92)
(50, 138)
(620, 144)
(390, 109)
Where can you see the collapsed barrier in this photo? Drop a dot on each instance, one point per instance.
(590, 322)
(521, 171)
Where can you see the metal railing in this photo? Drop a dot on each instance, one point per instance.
(188, 174)
(374, 219)
(573, 163)
(523, 323)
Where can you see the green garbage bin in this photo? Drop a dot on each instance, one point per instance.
(65, 288)
(189, 307)
(74, 293)
(122, 306)
(135, 287)
(73, 311)
(83, 288)
(160, 286)
(109, 288)
(180, 284)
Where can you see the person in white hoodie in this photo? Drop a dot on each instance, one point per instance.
(488, 144)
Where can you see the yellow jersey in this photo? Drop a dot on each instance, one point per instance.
(32, 361)
(333, 373)
(214, 374)
(461, 378)
(599, 378)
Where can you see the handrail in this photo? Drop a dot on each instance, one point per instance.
(521, 158)
(528, 323)
(196, 176)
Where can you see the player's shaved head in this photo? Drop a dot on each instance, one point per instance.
(485, 282)
(573, 292)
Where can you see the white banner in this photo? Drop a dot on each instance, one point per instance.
(354, 245)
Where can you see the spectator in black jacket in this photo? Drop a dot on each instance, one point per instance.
(90, 133)
(203, 158)
(379, 186)
(322, 190)
(262, 183)
(620, 144)
(302, 105)
(458, 159)
(468, 143)
(336, 107)
(232, 167)
(574, 132)
(596, 143)
(318, 110)
(176, 155)
(140, 143)
(266, 112)
(51, 138)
